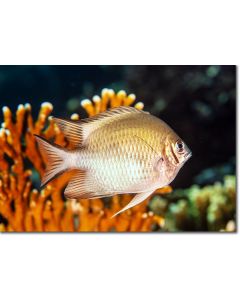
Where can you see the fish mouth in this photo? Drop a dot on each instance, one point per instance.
(188, 155)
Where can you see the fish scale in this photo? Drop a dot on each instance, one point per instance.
(120, 155)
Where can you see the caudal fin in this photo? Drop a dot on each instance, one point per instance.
(55, 159)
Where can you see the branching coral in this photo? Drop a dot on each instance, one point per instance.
(211, 208)
(23, 207)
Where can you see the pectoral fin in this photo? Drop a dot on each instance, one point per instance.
(136, 200)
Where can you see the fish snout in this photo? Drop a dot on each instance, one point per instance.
(188, 155)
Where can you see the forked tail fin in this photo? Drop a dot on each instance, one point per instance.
(55, 159)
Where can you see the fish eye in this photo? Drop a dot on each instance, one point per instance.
(179, 146)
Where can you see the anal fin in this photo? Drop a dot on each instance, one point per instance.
(136, 200)
(83, 186)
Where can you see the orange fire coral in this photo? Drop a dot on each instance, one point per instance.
(25, 208)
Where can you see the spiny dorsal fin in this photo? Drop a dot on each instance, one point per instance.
(78, 131)
(91, 124)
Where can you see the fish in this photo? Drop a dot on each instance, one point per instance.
(121, 151)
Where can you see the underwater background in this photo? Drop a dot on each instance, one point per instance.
(198, 102)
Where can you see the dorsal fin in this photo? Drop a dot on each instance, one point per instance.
(78, 131)
(91, 124)
(71, 129)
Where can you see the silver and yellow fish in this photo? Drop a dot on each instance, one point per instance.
(123, 150)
